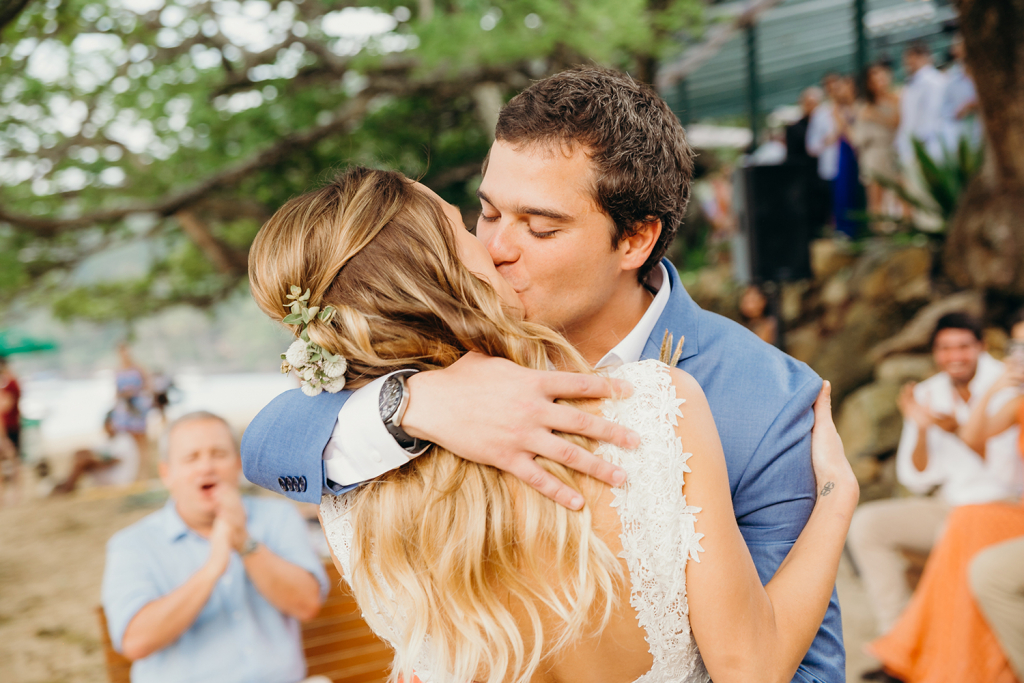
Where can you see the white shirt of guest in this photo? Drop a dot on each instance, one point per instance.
(921, 114)
(965, 477)
(361, 448)
(820, 127)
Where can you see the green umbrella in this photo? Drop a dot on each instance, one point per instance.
(12, 342)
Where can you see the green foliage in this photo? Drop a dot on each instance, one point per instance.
(944, 181)
(112, 111)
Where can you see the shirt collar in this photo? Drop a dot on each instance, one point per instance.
(174, 525)
(632, 345)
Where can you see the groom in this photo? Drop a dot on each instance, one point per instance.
(582, 193)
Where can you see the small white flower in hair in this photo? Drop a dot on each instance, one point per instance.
(335, 368)
(310, 390)
(297, 354)
(335, 386)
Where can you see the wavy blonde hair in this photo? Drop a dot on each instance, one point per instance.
(475, 560)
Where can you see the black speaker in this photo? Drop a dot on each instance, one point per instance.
(775, 210)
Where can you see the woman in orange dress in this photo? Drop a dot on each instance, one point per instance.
(942, 636)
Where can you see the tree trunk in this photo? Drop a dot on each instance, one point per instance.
(985, 246)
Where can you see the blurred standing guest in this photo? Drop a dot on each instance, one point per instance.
(822, 143)
(874, 136)
(796, 132)
(920, 109)
(754, 309)
(113, 463)
(847, 193)
(965, 623)
(930, 455)
(11, 415)
(9, 460)
(959, 109)
(212, 586)
(133, 402)
(162, 384)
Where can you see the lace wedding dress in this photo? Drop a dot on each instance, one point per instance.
(658, 535)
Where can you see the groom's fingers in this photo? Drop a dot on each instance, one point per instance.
(527, 470)
(570, 420)
(578, 385)
(580, 459)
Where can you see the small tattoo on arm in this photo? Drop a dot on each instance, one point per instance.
(827, 488)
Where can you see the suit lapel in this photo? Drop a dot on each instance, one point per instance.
(680, 318)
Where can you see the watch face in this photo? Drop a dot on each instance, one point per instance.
(390, 397)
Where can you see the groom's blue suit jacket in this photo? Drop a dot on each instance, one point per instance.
(761, 401)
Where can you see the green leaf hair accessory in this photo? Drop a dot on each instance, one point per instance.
(319, 369)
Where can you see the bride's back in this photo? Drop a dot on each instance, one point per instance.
(646, 526)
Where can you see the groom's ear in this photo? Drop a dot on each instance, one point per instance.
(636, 247)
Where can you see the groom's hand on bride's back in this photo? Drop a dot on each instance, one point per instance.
(494, 412)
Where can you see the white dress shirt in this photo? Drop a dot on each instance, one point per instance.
(821, 126)
(964, 477)
(361, 448)
(921, 114)
(960, 91)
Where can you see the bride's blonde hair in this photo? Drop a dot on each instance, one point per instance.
(445, 540)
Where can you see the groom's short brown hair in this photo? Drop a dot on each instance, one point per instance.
(637, 145)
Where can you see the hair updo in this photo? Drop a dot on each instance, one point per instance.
(449, 544)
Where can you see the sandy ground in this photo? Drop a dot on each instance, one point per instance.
(51, 566)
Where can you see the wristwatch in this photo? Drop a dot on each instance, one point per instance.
(251, 544)
(392, 402)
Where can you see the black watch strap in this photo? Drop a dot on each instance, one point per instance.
(408, 443)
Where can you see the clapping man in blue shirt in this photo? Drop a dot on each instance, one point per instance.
(211, 587)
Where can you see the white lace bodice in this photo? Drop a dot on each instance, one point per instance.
(658, 534)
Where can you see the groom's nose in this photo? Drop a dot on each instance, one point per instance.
(501, 241)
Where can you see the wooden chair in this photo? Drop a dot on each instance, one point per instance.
(337, 643)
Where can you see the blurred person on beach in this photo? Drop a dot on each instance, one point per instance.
(10, 413)
(133, 402)
(212, 586)
(965, 622)
(10, 417)
(874, 137)
(932, 455)
(10, 463)
(114, 463)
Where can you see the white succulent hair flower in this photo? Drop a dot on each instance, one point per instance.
(319, 369)
(297, 354)
(335, 386)
(335, 368)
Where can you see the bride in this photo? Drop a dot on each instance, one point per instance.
(467, 572)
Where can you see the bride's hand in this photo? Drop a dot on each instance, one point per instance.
(832, 470)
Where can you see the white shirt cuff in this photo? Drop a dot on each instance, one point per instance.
(361, 448)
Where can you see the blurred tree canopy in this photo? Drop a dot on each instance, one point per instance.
(183, 124)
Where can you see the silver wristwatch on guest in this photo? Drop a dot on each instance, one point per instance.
(393, 402)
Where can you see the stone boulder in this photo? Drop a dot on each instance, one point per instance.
(829, 256)
(917, 334)
(905, 367)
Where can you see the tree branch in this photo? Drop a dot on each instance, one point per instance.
(225, 259)
(9, 11)
(175, 202)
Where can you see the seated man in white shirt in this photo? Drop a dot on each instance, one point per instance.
(931, 456)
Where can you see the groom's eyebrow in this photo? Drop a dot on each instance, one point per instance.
(530, 210)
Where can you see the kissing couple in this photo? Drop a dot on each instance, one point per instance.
(512, 483)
